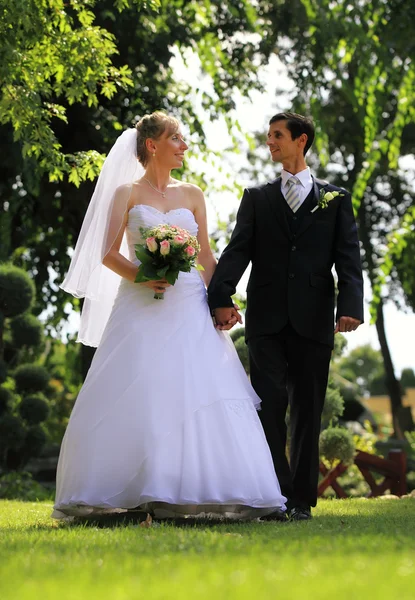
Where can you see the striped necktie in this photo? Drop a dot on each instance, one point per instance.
(292, 197)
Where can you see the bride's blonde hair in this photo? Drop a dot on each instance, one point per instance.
(153, 126)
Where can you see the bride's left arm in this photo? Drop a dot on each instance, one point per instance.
(205, 258)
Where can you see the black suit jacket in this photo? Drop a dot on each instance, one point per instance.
(291, 279)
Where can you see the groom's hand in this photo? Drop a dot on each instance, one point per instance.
(346, 324)
(227, 317)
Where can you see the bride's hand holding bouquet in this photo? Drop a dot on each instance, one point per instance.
(167, 250)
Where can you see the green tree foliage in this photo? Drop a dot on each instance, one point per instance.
(401, 256)
(363, 366)
(361, 55)
(353, 68)
(42, 219)
(53, 55)
(407, 378)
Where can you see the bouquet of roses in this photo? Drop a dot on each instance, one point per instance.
(167, 251)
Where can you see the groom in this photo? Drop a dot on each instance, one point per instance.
(293, 231)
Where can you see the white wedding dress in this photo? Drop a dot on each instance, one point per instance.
(166, 418)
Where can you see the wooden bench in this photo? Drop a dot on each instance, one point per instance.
(393, 468)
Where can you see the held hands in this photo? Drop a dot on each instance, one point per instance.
(346, 324)
(225, 318)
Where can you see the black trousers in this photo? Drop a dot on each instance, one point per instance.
(288, 369)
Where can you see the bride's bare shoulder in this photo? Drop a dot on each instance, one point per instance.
(124, 188)
(189, 189)
(123, 193)
(132, 191)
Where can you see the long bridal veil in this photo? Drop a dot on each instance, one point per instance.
(87, 277)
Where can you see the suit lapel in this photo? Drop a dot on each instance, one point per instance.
(275, 200)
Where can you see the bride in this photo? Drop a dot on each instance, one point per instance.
(166, 420)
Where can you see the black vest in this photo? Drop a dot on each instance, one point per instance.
(294, 219)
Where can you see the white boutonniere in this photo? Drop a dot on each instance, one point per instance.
(325, 198)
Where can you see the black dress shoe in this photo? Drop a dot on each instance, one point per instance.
(300, 514)
(277, 515)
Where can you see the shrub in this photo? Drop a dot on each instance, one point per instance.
(242, 350)
(336, 443)
(3, 371)
(21, 486)
(26, 331)
(10, 352)
(34, 409)
(31, 378)
(17, 290)
(34, 442)
(237, 333)
(12, 432)
(333, 406)
(5, 400)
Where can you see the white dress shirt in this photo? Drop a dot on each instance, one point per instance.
(303, 188)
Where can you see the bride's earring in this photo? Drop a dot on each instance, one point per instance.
(154, 154)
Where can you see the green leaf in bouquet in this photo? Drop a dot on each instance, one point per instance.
(146, 273)
(142, 255)
(150, 271)
(172, 276)
(199, 267)
(140, 277)
(162, 272)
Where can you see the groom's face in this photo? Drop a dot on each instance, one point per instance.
(280, 143)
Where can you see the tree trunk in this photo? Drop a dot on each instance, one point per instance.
(392, 384)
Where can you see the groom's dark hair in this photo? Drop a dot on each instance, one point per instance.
(297, 125)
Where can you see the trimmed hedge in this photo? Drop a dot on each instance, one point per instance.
(34, 409)
(336, 443)
(3, 371)
(17, 290)
(5, 400)
(31, 378)
(26, 330)
(12, 432)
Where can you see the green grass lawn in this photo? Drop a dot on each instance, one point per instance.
(351, 549)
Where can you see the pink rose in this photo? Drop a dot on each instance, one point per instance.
(183, 232)
(151, 244)
(179, 239)
(190, 251)
(164, 247)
